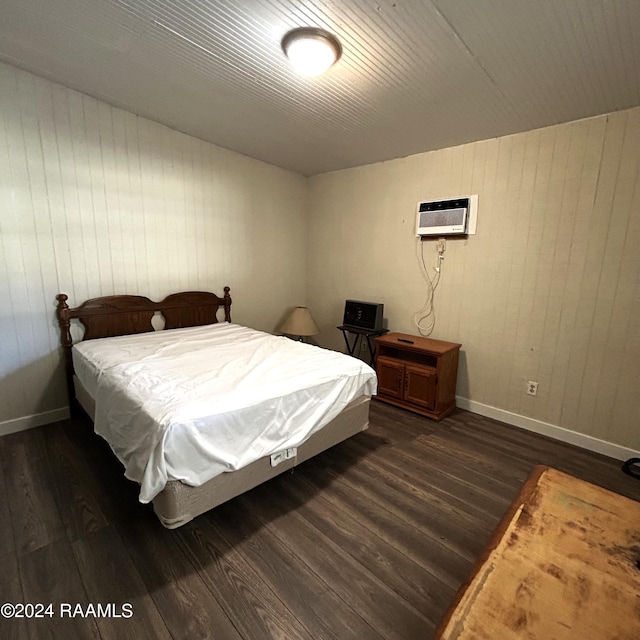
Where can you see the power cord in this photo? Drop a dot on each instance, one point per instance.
(425, 319)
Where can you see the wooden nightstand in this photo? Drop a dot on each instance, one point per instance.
(417, 373)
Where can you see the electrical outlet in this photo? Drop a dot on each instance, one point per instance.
(442, 245)
(532, 388)
(363, 346)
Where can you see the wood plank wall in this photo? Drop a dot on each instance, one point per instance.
(548, 290)
(95, 200)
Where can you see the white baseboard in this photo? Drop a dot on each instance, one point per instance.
(36, 420)
(551, 430)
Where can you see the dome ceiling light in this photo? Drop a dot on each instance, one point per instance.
(311, 51)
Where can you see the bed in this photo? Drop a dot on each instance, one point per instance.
(201, 410)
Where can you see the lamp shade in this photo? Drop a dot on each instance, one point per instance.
(300, 323)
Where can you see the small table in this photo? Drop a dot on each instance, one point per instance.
(359, 334)
(562, 564)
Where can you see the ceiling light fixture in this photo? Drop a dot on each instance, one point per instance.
(311, 51)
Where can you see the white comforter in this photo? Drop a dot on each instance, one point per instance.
(189, 404)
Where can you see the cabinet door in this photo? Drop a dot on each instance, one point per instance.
(390, 377)
(420, 386)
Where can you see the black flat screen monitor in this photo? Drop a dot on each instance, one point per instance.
(363, 315)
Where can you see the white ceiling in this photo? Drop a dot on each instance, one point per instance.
(415, 75)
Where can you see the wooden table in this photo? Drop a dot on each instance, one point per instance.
(563, 564)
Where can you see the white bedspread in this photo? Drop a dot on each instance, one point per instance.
(189, 404)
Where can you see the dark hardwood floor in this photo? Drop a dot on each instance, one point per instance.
(369, 540)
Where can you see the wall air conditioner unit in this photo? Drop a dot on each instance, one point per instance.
(447, 217)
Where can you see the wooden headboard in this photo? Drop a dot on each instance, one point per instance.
(110, 316)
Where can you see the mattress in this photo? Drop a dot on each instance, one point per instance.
(191, 404)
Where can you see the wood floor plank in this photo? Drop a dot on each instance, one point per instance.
(527, 449)
(7, 541)
(254, 609)
(116, 496)
(524, 444)
(384, 489)
(187, 607)
(34, 515)
(508, 469)
(449, 567)
(110, 577)
(409, 580)
(390, 521)
(485, 486)
(50, 575)
(381, 607)
(492, 437)
(11, 628)
(437, 490)
(452, 511)
(303, 592)
(74, 485)
(398, 428)
(476, 493)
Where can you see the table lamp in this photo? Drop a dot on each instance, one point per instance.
(300, 323)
